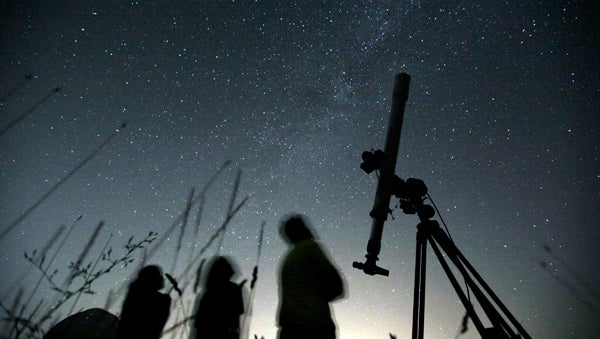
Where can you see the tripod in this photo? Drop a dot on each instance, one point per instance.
(497, 313)
(412, 193)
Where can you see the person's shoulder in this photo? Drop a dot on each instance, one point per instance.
(231, 286)
(308, 248)
(310, 245)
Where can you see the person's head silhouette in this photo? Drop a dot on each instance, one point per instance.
(150, 278)
(145, 310)
(221, 270)
(294, 229)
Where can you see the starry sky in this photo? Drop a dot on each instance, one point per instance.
(502, 123)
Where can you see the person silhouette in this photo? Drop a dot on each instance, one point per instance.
(221, 304)
(145, 310)
(308, 282)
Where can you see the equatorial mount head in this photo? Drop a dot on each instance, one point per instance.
(411, 189)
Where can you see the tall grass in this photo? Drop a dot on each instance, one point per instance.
(186, 277)
(83, 273)
(25, 319)
(184, 223)
(157, 246)
(245, 325)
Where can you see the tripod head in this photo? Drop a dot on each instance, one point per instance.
(411, 193)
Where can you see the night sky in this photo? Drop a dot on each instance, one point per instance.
(502, 123)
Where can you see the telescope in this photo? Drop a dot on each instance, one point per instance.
(412, 194)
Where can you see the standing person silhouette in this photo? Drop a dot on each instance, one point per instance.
(221, 304)
(145, 310)
(308, 282)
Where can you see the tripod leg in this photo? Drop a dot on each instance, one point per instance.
(459, 291)
(500, 328)
(419, 291)
(491, 293)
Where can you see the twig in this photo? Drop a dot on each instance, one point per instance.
(90, 272)
(85, 251)
(214, 236)
(198, 275)
(177, 325)
(29, 111)
(13, 310)
(58, 184)
(180, 293)
(184, 223)
(236, 186)
(90, 275)
(250, 301)
(22, 277)
(16, 88)
(43, 253)
(177, 221)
